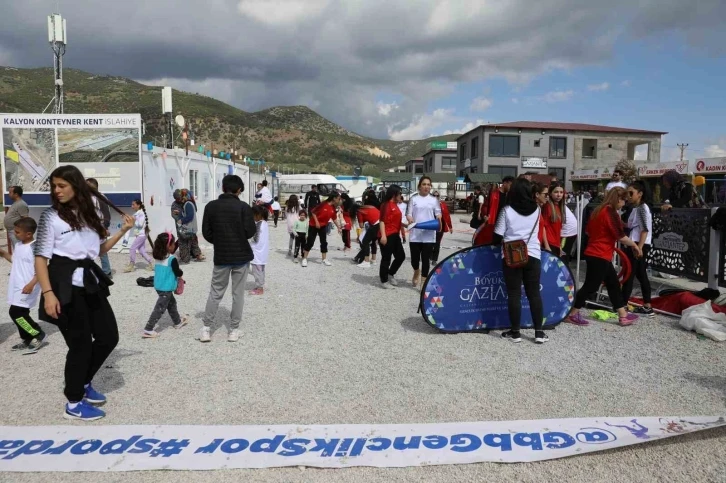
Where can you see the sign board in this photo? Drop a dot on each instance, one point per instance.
(138, 448)
(710, 165)
(433, 145)
(103, 146)
(534, 162)
(467, 164)
(466, 292)
(652, 170)
(586, 174)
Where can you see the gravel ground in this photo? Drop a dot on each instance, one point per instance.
(363, 355)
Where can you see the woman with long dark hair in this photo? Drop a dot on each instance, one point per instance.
(422, 207)
(74, 289)
(320, 216)
(553, 217)
(640, 223)
(520, 220)
(604, 230)
(390, 237)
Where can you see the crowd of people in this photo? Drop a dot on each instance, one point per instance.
(53, 259)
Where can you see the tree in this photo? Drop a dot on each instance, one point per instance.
(627, 167)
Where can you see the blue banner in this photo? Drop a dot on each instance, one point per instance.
(466, 292)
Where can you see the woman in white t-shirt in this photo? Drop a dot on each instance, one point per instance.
(519, 220)
(74, 290)
(422, 207)
(640, 223)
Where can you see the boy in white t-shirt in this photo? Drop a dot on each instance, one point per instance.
(23, 287)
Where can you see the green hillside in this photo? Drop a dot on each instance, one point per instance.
(295, 136)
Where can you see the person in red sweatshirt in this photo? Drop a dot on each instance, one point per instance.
(320, 216)
(446, 227)
(390, 237)
(604, 230)
(496, 201)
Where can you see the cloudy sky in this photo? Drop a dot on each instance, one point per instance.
(410, 69)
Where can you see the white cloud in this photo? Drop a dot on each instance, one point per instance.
(625, 83)
(515, 100)
(715, 151)
(466, 127)
(421, 125)
(558, 96)
(598, 87)
(281, 12)
(641, 153)
(324, 54)
(480, 104)
(386, 109)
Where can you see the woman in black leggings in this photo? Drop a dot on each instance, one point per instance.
(422, 207)
(520, 221)
(640, 223)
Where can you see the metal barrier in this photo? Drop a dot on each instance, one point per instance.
(681, 243)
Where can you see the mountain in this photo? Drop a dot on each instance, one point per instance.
(294, 136)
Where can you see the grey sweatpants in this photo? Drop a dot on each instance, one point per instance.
(258, 271)
(166, 301)
(220, 279)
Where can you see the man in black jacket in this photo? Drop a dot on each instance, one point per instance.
(312, 198)
(228, 224)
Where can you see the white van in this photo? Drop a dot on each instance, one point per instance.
(300, 184)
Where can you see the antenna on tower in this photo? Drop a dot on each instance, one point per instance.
(58, 38)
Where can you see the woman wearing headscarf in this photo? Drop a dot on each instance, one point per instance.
(519, 220)
(186, 226)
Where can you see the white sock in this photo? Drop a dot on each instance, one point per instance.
(72, 405)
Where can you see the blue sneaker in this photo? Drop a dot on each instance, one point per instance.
(83, 412)
(94, 397)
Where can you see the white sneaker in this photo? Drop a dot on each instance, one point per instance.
(392, 280)
(233, 335)
(373, 262)
(304, 262)
(364, 265)
(387, 285)
(327, 263)
(205, 336)
(294, 260)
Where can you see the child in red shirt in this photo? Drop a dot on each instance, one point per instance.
(604, 230)
(320, 216)
(390, 237)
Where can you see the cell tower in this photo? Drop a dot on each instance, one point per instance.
(58, 39)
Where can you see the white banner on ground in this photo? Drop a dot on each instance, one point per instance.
(133, 448)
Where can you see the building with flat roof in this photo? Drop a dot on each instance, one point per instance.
(415, 166)
(513, 148)
(440, 161)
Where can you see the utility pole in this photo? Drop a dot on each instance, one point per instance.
(57, 38)
(683, 148)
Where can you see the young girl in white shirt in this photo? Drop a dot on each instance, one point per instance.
(260, 244)
(74, 290)
(422, 207)
(141, 227)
